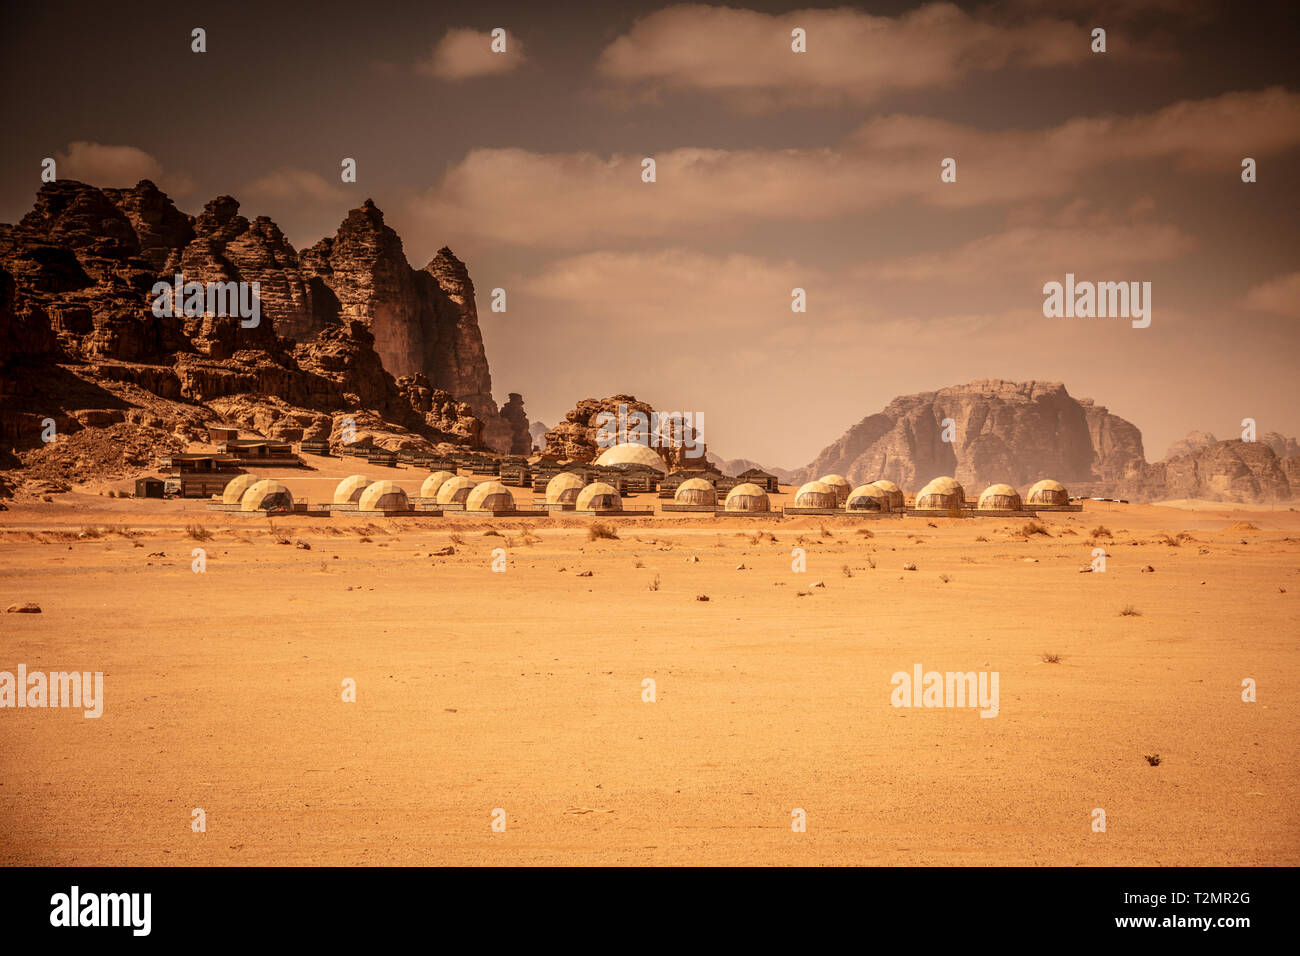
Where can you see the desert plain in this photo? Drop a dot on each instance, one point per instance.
(523, 691)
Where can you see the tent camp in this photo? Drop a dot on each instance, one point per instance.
(267, 496)
(747, 498)
(942, 494)
(632, 454)
(599, 496)
(383, 496)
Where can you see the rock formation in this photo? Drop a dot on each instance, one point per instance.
(1000, 431)
(1019, 432)
(424, 321)
(1190, 443)
(79, 334)
(576, 437)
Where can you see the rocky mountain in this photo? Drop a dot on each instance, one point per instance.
(1282, 446)
(1017, 432)
(984, 432)
(734, 466)
(1236, 470)
(82, 343)
(538, 432)
(1190, 443)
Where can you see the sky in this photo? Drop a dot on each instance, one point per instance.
(775, 170)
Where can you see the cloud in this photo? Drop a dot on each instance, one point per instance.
(290, 183)
(1279, 296)
(673, 290)
(852, 57)
(1091, 244)
(117, 166)
(463, 54)
(567, 200)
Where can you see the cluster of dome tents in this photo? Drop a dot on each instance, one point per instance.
(831, 493)
(567, 491)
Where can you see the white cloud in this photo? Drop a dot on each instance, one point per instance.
(1279, 296)
(852, 57)
(568, 200)
(463, 53)
(117, 166)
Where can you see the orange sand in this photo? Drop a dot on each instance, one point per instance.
(523, 690)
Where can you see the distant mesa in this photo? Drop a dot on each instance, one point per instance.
(1015, 432)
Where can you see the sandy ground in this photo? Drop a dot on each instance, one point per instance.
(522, 690)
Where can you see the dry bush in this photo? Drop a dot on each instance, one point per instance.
(1031, 528)
(1129, 611)
(846, 571)
(653, 585)
(944, 578)
(1049, 658)
(90, 531)
(599, 529)
(981, 538)
(824, 531)
(1101, 531)
(197, 532)
(866, 532)
(457, 539)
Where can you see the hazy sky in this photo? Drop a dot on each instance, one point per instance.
(775, 170)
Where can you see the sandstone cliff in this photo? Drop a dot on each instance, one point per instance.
(424, 321)
(81, 343)
(1015, 432)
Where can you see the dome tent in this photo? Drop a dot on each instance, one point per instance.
(235, 488)
(599, 496)
(563, 489)
(630, 453)
(747, 497)
(893, 493)
(350, 488)
(1048, 492)
(384, 496)
(839, 483)
(266, 495)
(817, 494)
(868, 498)
(1000, 497)
(429, 489)
(695, 491)
(942, 494)
(454, 491)
(490, 496)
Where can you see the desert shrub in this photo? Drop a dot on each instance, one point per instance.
(197, 532)
(1032, 528)
(1129, 611)
(1101, 531)
(599, 529)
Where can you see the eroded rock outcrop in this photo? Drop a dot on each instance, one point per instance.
(78, 331)
(1016, 432)
(577, 438)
